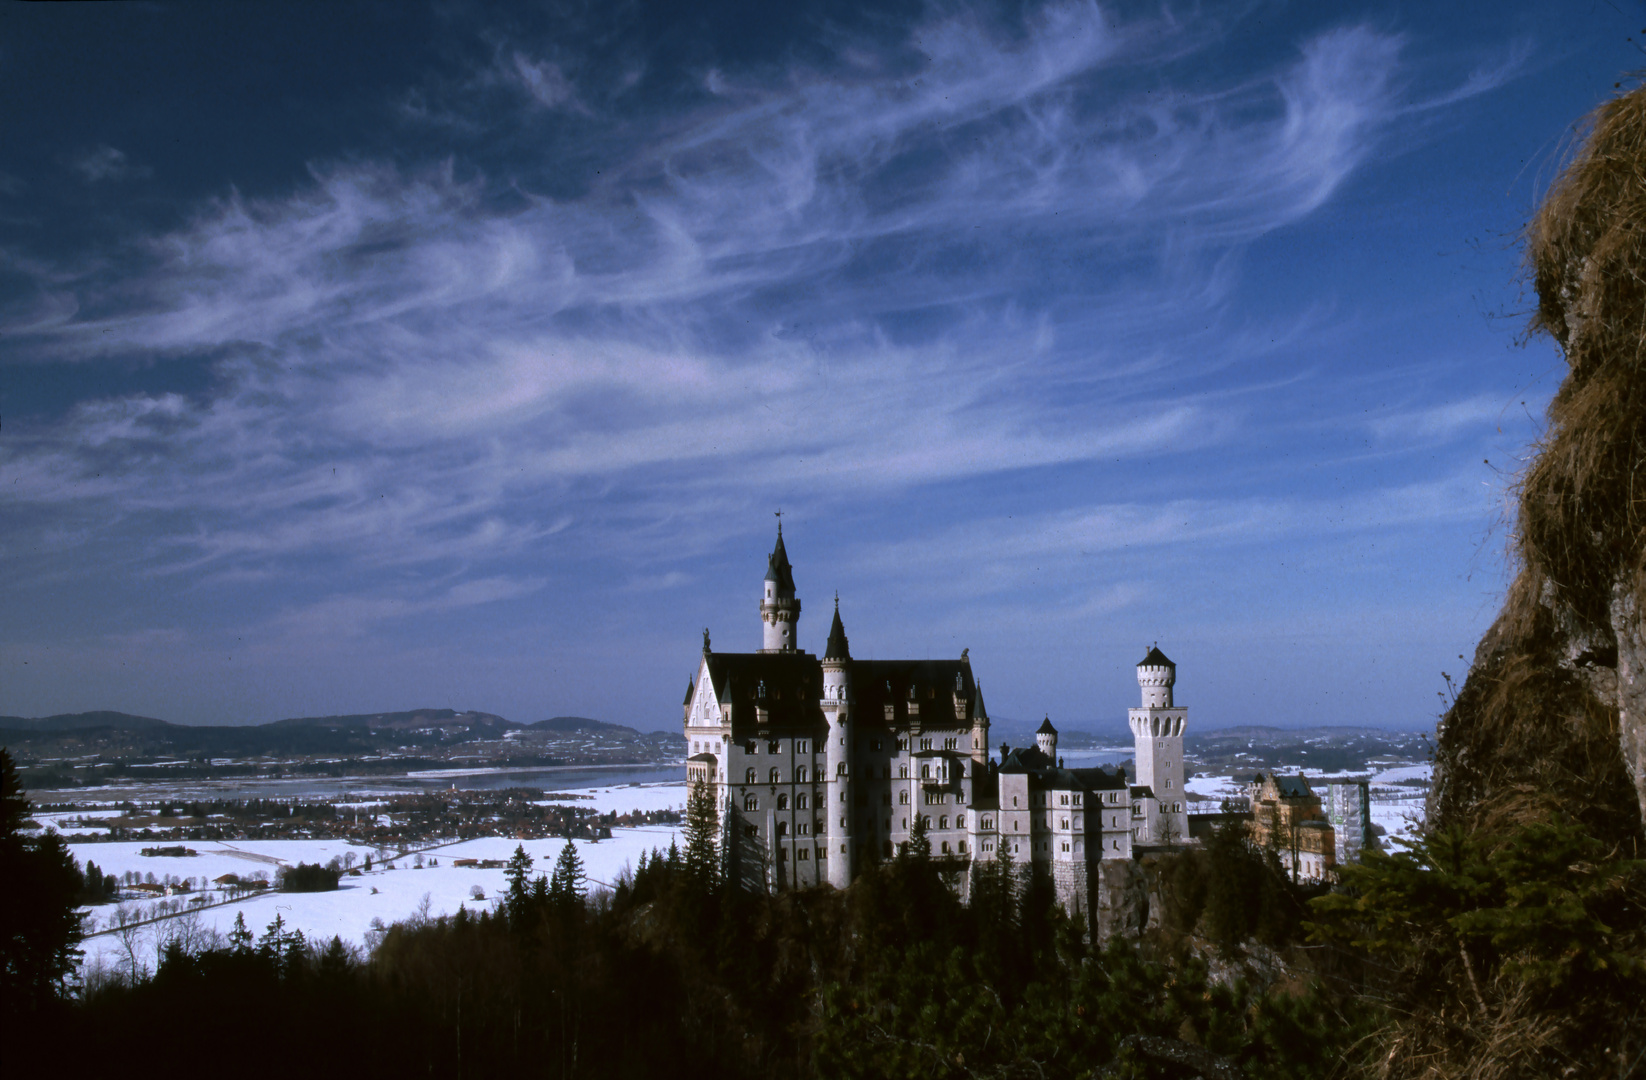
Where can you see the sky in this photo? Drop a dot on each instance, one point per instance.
(453, 355)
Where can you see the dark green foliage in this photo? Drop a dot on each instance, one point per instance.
(1525, 945)
(39, 927)
(309, 877)
(96, 887)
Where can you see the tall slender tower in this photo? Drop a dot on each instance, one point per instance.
(1157, 737)
(779, 609)
(837, 710)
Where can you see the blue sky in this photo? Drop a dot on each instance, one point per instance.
(459, 355)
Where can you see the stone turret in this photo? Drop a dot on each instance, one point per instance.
(779, 608)
(837, 711)
(1157, 737)
(1046, 738)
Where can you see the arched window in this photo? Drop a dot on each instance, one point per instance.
(903, 798)
(800, 774)
(902, 772)
(840, 770)
(748, 777)
(943, 823)
(801, 801)
(988, 823)
(927, 821)
(782, 828)
(782, 802)
(777, 775)
(750, 803)
(925, 772)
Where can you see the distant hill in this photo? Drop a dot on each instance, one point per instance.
(412, 720)
(579, 723)
(83, 721)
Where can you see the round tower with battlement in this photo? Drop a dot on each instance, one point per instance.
(1157, 738)
(779, 608)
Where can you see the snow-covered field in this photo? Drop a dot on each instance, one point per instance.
(384, 894)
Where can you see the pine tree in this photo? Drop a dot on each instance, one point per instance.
(40, 928)
(518, 870)
(239, 936)
(567, 886)
(702, 823)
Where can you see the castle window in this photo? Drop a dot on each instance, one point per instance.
(945, 847)
(903, 744)
(1168, 783)
(902, 772)
(751, 747)
(988, 823)
(903, 798)
(943, 823)
(750, 830)
(925, 744)
(1014, 800)
(782, 828)
(782, 802)
(1065, 846)
(776, 776)
(1065, 823)
(804, 828)
(748, 775)
(840, 770)
(927, 820)
(750, 803)
(925, 772)
(987, 846)
(1077, 798)
(800, 801)
(800, 774)
(962, 846)
(774, 747)
(1063, 799)
(800, 746)
(951, 744)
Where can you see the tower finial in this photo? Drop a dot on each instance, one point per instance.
(705, 641)
(780, 522)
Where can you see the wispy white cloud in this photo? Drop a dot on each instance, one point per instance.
(105, 163)
(403, 371)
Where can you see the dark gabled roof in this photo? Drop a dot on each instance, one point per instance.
(878, 683)
(1293, 787)
(1093, 779)
(1045, 727)
(1142, 791)
(793, 684)
(1027, 759)
(838, 648)
(691, 687)
(709, 758)
(1156, 658)
(777, 566)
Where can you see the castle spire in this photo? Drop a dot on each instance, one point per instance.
(779, 608)
(838, 647)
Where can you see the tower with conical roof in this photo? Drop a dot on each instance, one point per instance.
(1046, 738)
(1157, 738)
(837, 710)
(779, 608)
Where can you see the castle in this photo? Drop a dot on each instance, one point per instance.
(822, 766)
